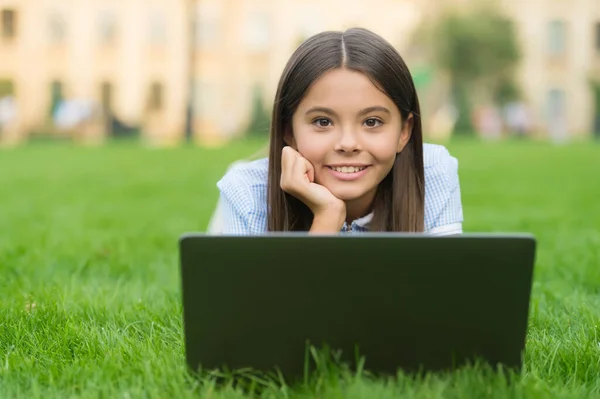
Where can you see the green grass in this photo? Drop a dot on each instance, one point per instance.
(89, 288)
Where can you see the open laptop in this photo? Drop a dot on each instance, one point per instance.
(404, 301)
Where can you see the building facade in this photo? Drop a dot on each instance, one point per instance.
(177, 68)
(561, 64)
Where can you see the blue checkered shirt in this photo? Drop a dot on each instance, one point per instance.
(242, 207)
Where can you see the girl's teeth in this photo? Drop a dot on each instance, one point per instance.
(348, 169)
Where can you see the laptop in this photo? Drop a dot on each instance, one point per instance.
(393, 301)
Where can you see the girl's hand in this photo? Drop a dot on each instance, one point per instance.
(297, 179)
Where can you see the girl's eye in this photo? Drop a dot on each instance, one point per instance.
(322, 122)
(373, 122)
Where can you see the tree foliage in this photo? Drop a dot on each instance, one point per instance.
(478, 49)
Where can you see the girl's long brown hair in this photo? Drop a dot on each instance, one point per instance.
(400, 198)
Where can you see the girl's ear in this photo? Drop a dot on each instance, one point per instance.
(288, 137)
(405, 133)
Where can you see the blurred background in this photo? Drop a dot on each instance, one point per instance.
(167, 72)
(118, 117)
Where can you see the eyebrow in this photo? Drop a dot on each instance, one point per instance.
(331, 112)
(374, 109)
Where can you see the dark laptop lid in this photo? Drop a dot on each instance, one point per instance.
(405, 301)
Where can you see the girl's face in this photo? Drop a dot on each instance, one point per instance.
(350, 132)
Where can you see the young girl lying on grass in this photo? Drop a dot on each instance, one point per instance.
(346, 150)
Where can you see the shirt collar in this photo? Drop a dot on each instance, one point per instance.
(364, 221)
(360, 224)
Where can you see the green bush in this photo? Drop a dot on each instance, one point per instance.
(260, 120)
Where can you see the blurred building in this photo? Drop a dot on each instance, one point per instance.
(195, 68)
(561, 61)
(559, 74)
(100, 65)
(242, 48)
(165, 67)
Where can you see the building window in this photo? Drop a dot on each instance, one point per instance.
(596, 97)
(7, 88)
(556, 37)
(556, 102)
(598, 37)
(207, 22)
(207, 33)
(257, 31)
(206, 98)
(56, 95)
(57, 27)
(155, 98)
(106, 98)
(157, 28)
(9, 24)
(107, 27)
(556, 114)
(309, 21)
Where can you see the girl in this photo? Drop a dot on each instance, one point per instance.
(346, 151)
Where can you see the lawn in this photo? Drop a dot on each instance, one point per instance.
(90, 300)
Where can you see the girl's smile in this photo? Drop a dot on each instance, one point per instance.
(348, 172)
